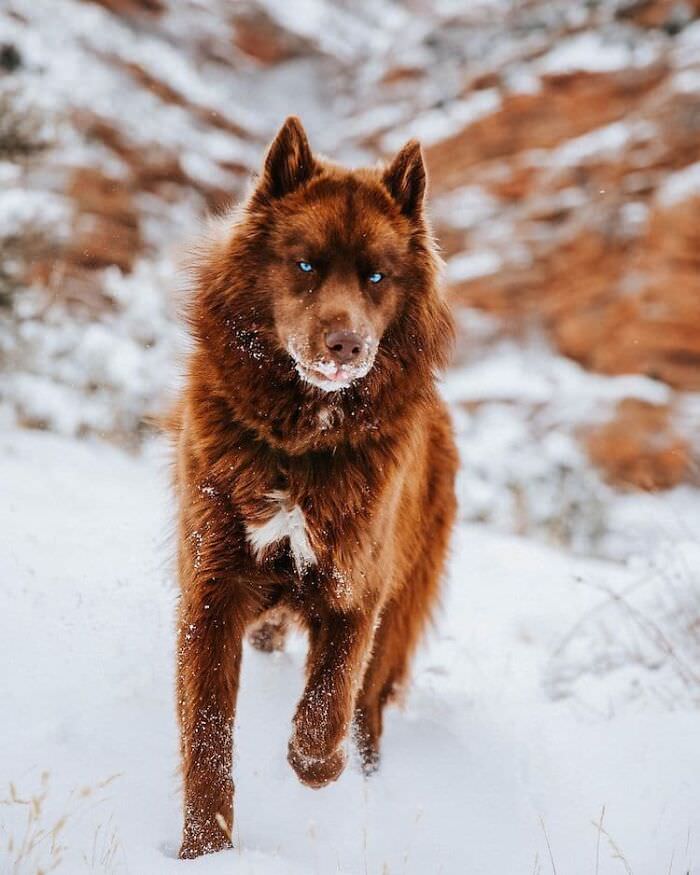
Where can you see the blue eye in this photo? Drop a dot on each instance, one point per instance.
(305, 266)
(375, 277)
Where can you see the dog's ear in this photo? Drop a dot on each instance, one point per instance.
(405, 179)
(289, 162)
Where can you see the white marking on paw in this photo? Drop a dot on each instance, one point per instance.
(287, 522)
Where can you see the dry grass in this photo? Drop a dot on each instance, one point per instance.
(549, 847)
(37, 846)
(105, 849)
(601, 832)
(615, 853)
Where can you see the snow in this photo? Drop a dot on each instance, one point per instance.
(685, 51)
(600, 143)
(22, 210)
(589, 51)
(465, 207)
(686, 81)
(59, 40)
(520, 80)
(341, 33)
(530, 372)
(478, 765)
(680, 186)
(470, 265)
(439, 123)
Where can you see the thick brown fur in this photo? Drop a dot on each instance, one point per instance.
(369, 469)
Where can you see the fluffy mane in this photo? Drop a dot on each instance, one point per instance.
(252, 380)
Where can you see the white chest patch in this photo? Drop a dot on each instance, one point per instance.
(288, 522)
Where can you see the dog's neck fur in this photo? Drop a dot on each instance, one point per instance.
(295, 419)
(263, 394)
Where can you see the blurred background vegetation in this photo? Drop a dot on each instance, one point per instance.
(562, 145)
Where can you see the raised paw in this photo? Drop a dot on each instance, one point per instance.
(313, 771)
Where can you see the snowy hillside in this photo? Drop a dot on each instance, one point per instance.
(562, 678)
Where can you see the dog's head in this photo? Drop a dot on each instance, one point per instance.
(341, 254)
(326, 281)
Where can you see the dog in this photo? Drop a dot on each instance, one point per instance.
(314, 460)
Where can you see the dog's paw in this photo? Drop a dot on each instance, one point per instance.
(369, 760)
(203, 839)
(314, 771)
(366, 738)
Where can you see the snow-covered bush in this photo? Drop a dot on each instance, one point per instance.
(79, 376)
(520, 474)
(26, 127)
(31, 225)
(642, 639)
(518, 409)
(64, 367)
(27, 220)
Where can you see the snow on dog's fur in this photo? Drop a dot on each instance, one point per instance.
(314, 460)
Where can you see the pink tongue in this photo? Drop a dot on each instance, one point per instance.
(334, 376)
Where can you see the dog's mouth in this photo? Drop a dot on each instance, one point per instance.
(330, 376)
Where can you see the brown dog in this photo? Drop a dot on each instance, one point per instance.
(315, 461)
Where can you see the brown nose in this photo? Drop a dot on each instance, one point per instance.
(345, 346)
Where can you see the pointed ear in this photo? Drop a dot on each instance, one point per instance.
(405, 179)
(289, 162)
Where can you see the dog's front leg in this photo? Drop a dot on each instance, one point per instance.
(208, 662)
(339, 646)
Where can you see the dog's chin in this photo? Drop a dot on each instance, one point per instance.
(329, 378)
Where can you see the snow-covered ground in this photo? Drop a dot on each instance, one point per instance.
(484, 770)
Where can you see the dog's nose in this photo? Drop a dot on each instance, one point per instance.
(345, 346)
